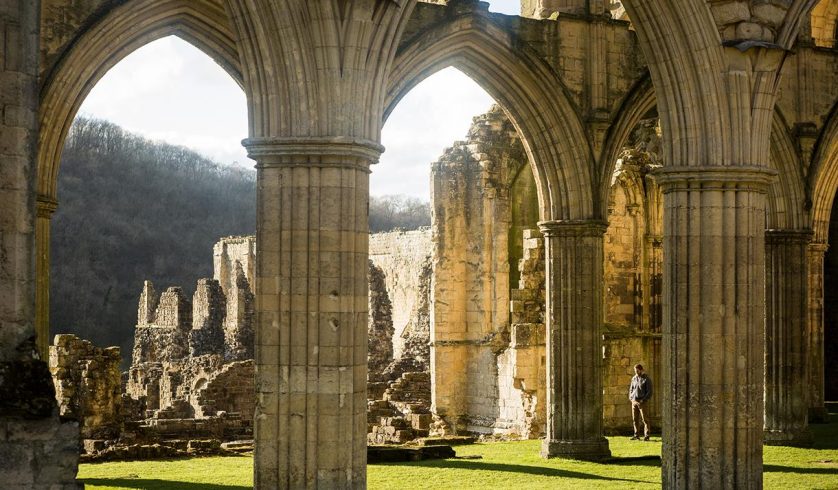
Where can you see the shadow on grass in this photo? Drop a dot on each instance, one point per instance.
(773, 468)
(150, 484)
(650, 460)
(826, 435)
(460, 464)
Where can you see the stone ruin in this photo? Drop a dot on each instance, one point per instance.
(191, 376)
(456, 324)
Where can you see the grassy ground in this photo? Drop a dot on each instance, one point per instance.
(501, 465)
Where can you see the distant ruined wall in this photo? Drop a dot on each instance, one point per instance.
(226, 253)
(234, 267)
(402, 256)
(185, 352)
(380, 325)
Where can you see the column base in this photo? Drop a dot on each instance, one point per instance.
(584, 450)
(818, 415)
(798, 438)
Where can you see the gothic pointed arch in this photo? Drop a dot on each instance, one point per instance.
(530, 92)
(823, 177)
(118, 33)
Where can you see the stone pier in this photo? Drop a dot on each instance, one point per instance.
(786, 313)
(814, 334)
(311, 312)
(713, 338)
(37, 450)
(574, 263)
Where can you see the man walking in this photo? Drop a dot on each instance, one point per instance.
(640, 392)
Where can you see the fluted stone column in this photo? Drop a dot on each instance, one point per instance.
(786, 318)
(713, 326)
(311, 311)
(44, 209)
(574, 263)
(814, 334)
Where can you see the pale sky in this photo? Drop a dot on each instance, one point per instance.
(169, 90)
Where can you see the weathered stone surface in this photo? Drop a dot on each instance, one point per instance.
(208, 313)
(88, 386)
(380, 330)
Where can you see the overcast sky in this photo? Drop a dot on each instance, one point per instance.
(169, 90)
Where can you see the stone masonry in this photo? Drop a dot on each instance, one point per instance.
(88, 385)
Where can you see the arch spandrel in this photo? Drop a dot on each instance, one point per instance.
(553, 133)
(124, 29)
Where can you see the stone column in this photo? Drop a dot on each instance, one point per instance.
(814, 334)
(311, 311)
(44, 209)
(574, 269)
(37, 451)
(713, 326)
(786, 317)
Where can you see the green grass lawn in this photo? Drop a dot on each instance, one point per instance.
(503, 465)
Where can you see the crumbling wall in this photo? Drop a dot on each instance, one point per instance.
(226, 253)
(230, 389)
(88, 385)
(521, 366)
(240, 317)
(471, 218)
(208, 313)
(380, 325)
(163, 335)
(402, 256)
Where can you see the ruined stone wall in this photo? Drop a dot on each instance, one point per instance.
(521, 366)
(402, 256)
(163, 335)
(208, 314)
(230, 389)
(380, 325)
(88, 385)
(234, 267)
(471, 217)
(226, 252)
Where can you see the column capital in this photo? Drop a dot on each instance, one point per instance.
(776, 236)
(45, 206)
(714, 178)
(818, 247)
(571, 228)
(314, 151)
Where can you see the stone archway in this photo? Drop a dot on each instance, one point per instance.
(118, 33)
(560, 153)
(553, 135)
